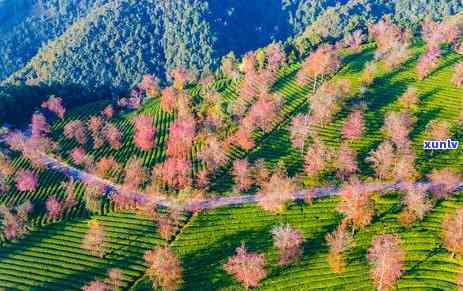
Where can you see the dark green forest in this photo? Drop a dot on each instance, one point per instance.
(83, 50)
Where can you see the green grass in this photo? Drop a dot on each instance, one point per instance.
(51, 257)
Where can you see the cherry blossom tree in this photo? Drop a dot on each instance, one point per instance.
(409, 99)
(39, 126)
(443, 182)
(55, 105)
(277, 192)
(355, 40)
(438, 130)
(275, 56)
(114, 279)
(181, 137)
(76, 129)
(386, 258)
(242, 175)
(248, 63)
(247, 268)
(95, 124)
(169, 98)
(95, 241)
(16, 140)
(144, 132)
(325, 103)
(135, 174)
(54, 207)
(319, 63)
(181, 77)
(427, 63)
(168, 222)
(164, 268)
(70, 194)
(26, 180)
(397, 127)
(356, 204)
(416, 205)
(213, 153)
(452, 232)
(150, 85)
(383, 160)
(108, 112)
(457, 79)
(242, 137)
(299, 130)
(346, 162)
(96, 285)
(262, 174)
(229, 66)
(368, 74)
(113, 136)
(14, 221)
(263, 113)
(176, 173)
(288, 241)
(354, 126)
(338, 242)
(404, 167)
(80, 157)
(317, 158)
(106, 166)
(6, 168)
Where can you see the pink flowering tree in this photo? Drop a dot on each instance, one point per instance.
(176, 173)
(386, 258)
(317, 158)
(213, 153)
(26, 180)
(247, 268)
(55, 105)
(299, 130)
(144, 132)
(164, 268)
(288, 241)
(96, 285)
(150, 85)
(321, 62)
(397, 127)
(113, 136)
(181, 77)
(135, 174)
(181, 136)
(242, 175)
(409, 99)
(416, 205)
(457, 79)
(346, 162)
(95, 241)
(382, 160)
(338, 242)
(95, 124)
(76, 129)
(452, 232)
(356, 204)
(444, 182)
(54, 207)
(354, 126)
(276, 193)
(355, 40)
(169, 98)
(39, 126)
(108, 112)
(427, 63)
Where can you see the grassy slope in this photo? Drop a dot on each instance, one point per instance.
(209, 238)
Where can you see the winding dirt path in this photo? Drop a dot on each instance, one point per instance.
(211, 203)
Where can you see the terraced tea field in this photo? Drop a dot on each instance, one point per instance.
(50, 257)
